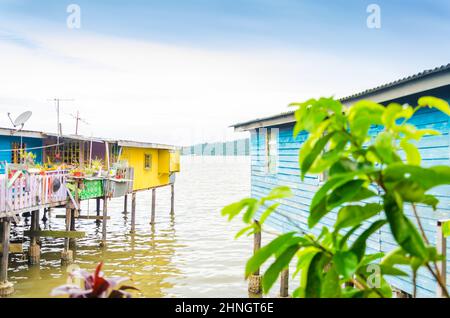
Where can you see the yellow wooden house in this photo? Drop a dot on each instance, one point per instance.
(154, 165)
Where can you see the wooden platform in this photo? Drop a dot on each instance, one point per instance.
(55, 234)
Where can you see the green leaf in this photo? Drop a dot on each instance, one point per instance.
(268, 212)
(362, 115)
(367, 259)
(359, 246)
(410, 191)
(344, 165)
(395, 111)
(446, 228)
(411, 132)
(252, 208)
(281, 262)
(346, 263)
(331, 287)
(305, 256)
(391, 271)
(277, 193)
(307, 162)
(385, 289)
(433, 102)
(384, 147)
(427, 178)
(352, 215)
(396, 256)
(344, 193)
(243, 231)
(318, 206)
(343, 241)
(234, 209)
(313, 287)
(430, 200)
(405, 233)
(261, 256)
(412, 153)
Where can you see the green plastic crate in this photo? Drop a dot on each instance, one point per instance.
(92, 189)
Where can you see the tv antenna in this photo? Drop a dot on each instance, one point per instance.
(57, 102)
(20, 120)
(78, 119)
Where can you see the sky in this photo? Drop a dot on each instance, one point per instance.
(182, 71)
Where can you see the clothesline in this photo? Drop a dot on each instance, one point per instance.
(33, 148)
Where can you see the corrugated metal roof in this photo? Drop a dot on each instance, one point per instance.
(415, 77)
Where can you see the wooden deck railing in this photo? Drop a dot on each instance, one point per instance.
(30, 192)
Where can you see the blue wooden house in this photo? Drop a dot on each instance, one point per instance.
(274, 162)
(11, 141)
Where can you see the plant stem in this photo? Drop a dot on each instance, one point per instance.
(414, 284)
(436, 273)
(419, 223)
(438, 279)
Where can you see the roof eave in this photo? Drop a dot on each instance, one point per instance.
(21, 133)
(146, 145)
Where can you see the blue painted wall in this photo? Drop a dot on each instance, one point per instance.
(293, 213)
(5, 144)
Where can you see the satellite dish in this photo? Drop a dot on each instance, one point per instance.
(21, 120)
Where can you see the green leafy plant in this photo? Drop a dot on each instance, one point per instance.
(369, 185)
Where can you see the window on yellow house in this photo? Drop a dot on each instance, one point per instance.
(147, 161)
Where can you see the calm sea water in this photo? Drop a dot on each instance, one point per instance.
(192, 254)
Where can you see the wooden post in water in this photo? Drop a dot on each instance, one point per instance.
(72, 241)
(44, 217)
(105, 217)
(67, 254)
(172, 198)
(254, 281)
(441, 246)
(34, 251)
(284, 283)
(97, 209)
(6, 288)
(125, 204)
(152, 221)
(133, 212)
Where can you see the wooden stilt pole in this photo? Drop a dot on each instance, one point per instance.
(441, 246)
(152, 221)
(133, 212)
(284, 284)
(125, 204)
(104, 220)
(44, 217)
(254, 281)
(34, 251)
(97, 210)
(172, 198)
(6, 288)
(72, 241)
(67, 254)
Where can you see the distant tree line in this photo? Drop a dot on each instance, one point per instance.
(239, 147)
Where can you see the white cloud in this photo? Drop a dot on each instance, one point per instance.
(171, 94)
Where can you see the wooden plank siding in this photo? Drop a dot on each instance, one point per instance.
(293, 212)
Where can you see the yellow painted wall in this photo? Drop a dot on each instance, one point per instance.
(175, 161)
(147, 178)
